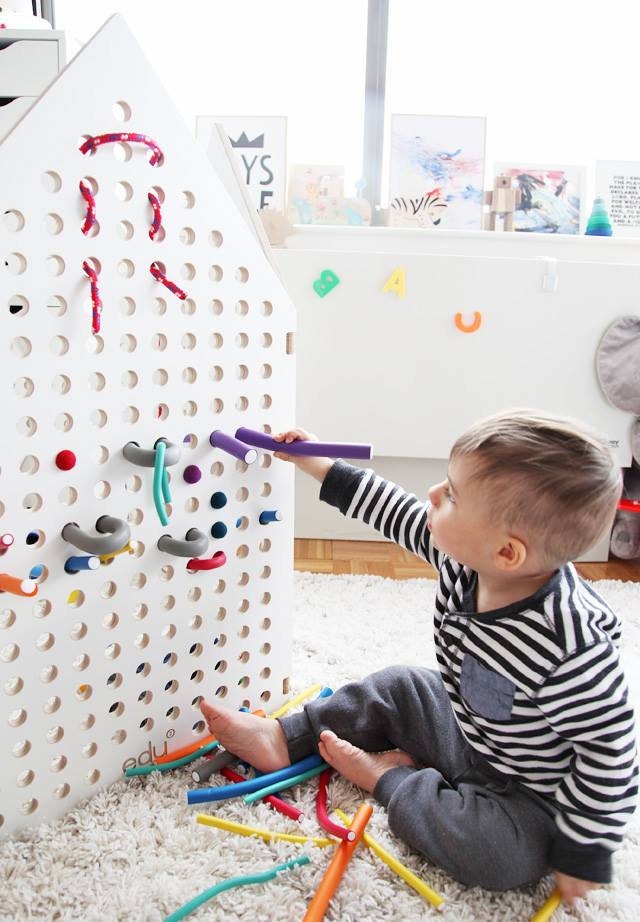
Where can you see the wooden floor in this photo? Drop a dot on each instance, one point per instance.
(381, 558)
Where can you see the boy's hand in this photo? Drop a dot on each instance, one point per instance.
(572, 888)
(316, 467)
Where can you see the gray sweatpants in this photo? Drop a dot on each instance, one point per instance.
(456, 809)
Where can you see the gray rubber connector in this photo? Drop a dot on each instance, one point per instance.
(146, 457)
(114, 534)
(195, 543)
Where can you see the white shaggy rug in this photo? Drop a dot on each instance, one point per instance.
(134, 852)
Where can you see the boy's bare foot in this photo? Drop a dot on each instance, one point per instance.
(260, 741)
(362, 768)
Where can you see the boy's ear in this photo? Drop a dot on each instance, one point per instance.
(511, 555)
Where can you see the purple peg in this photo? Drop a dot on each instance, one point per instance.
(305, 447)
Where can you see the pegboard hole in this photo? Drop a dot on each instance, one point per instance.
(55, 265)
(58, 763)
(17, 718)
(215, 238)
(188, 341)
(99, 418)
(188, 307)
(266, 401)
(56, 306)
(122, 152)
(54, 734)
(123, 191)
(35, 538)
(173, 713)
(53, 224)
(13, 220)
(41, 609)
(21, 347)
(25, 778)
(197, 677)
(29, 806)
(126, 268)
(243, 579)
(168, 631)
(242, 275)
(113, 651)
(9, 652)
(266, 572)
(121, 111)
(196, 649)
(217, 469)
(141, 611)
(266, 371)
(18, 306)
(216, 341)
(135, 516)
(158, 191)
(7, 618)
(100, 454)
(265, 461)
(63, 422)
(133, 484)
(190, 408)
(242, 308)
(221, 665)
(116, 709)
(194, 593)
(192, 504)
(216, 273)
(32, 502)
(242, 404)
(147, 724)
(160, 377)
(187, 199)
(59, 345)
(169, 602)
(217, 307)
(125, 230)
(172, 687)
(89, 750)
(265, 545)
(79, 629)
(221, 691)
(162, 411)
(137, 581)
(187, 235)
(81, 662)
(20, 749)
(51, 181)
(26, 426)
(266, 489)
(119, 737)
(242, 551)
(265, 624)
(170, 659)
(102, 489)
(167, 572)
(159, 342)
(266, 340)
(62, 791)
(267, 308)
(189, 375)
(86, 722)
(108, 589)
(221, 614)
(217, 405)
(84, 692)
(130, 415)
(68, 496)
(220, 587)
(242, 524)
(60, 384)
(159, 306)
(242, 340)
(243, 606)
(129, 379)
(195, 623)
(23, 387)
(94, 345)
(242, 494)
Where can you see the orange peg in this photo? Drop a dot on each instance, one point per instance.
(17, 586)
(468, 327)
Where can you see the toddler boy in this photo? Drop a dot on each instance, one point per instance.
(517, 755)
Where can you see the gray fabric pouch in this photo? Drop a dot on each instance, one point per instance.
(618, 363)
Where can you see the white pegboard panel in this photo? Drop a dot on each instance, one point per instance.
(104, 665)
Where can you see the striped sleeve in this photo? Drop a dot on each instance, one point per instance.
(585, 701)
(399, 516)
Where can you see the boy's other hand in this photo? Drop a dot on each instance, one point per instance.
(316, 467)
(573, 888)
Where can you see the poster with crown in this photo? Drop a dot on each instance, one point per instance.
(260, 144)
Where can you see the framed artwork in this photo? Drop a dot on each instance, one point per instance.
(618, 182)
(550, 197)
(316, 196)
(260, 145)
(437, 171)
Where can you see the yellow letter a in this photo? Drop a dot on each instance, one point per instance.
(395, 282)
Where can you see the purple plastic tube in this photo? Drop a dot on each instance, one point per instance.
(310, 449)
(240, 450)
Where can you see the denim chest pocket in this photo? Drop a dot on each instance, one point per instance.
(485, 691)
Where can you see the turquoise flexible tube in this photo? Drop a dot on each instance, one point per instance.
(230, 884)
(159, 474)
(167, 766)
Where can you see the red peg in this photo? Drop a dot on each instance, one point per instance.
(207, 563)
(65, 460)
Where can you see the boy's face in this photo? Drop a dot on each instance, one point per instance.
(459, 520)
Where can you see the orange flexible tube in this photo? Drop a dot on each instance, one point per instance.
(337, 866)
(192, 747)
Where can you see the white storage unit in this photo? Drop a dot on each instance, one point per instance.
(29, 60)
(397, 372)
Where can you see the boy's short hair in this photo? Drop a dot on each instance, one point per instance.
(552, 480)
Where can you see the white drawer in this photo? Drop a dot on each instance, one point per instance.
(27, 67)
(12, 111)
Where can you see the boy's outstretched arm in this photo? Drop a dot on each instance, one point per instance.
(362, 494)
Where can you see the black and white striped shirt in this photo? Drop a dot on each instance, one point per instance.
(537, 687)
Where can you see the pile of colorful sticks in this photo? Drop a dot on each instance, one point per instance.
(346, 836)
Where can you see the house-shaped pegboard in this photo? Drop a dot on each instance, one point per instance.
(109, 661)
